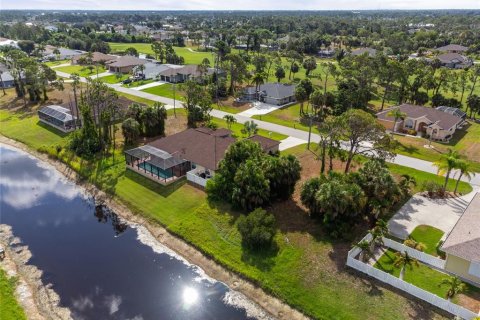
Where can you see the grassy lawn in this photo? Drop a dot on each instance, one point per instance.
(237, 127)
(81, 70)
(422, 276)
(112, 79)
(288, 116)
(56, 62)
(422, 177)
(189, 56)
(138, 83)
(165, 90)
(429, 236)
(10, 309)
(465, 141)
(306, 269)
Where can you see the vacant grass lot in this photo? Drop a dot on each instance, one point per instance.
(82, 71)
(306, 269)
(56, 62)
(421, 276)
(288, 117)
(9, 307)
(429, 236)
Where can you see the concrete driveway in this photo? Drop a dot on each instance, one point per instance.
(438, 213)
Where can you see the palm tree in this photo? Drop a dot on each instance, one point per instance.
(366, 250)
(75, 84)
(455, 286)
(258, 79)
(446, 164)
(406, 183)
(397, 114)
(250, 128)
(230, 120)
(465, 170)
(412, 243)
(403, 260)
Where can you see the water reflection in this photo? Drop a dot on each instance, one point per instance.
(105, 214)
(190, 296)
(23, 189)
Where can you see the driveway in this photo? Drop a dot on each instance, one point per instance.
(259, 108)
(438, 213)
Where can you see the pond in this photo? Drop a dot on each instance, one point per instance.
(101, 266)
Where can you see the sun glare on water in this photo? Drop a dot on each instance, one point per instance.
(190, 296)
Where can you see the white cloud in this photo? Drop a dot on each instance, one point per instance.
(240, 4)
(113, 303)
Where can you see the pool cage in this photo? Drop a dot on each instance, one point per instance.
(58, 117)
(156, 164)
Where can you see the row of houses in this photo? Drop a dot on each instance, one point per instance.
(451, 56)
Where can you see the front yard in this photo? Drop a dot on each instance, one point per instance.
(429, 236)
(112, 79)
(466, 141)
(82, 71)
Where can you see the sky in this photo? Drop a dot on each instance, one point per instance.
(238, 4)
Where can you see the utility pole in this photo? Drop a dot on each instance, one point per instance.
(309, 130)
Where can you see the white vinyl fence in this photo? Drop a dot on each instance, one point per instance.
(420, 256)
(196, 179)
(405, 286)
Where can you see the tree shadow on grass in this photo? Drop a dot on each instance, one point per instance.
(262, 259)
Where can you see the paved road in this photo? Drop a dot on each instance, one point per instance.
(410, 162)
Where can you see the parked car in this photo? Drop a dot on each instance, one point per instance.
(127, 81)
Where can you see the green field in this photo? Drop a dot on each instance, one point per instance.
(10, 309)
(82, 71)
(288, 117)
(191, 57)
(56, 62)
(429, 236)
(302, 270)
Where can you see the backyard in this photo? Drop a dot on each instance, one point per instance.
(424, 277)
(307, 269)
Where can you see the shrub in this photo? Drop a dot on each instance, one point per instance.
(412, 132)
(432, 188)
(257, 229)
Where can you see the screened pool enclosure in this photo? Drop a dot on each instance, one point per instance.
(58, 117)
(156, 164)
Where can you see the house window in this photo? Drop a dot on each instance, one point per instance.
(474, 269)
(409, 123)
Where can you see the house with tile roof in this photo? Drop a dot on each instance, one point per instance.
(455, 60)
(462, 245)
(434, 123)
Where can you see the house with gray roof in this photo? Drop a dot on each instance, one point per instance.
(369, 51)
(272, 93)
(64, 53)
(455, 60)
(124, 64)
(435, 123)
(453, 48)
(462, 245)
